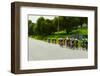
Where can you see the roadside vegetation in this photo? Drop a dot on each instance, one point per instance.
(59, 27)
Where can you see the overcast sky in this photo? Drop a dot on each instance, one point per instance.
(34, 18)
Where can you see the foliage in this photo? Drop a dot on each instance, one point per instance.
(61, 34)
(30, 27)
(60, 26)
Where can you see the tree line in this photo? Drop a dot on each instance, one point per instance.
(59, 23)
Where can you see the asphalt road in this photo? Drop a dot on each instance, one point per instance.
(40, 50)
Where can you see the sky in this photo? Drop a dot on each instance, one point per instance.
(34, 18)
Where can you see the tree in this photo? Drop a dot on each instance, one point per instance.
(69, 23)
(55, 23)
(45, 26)
(59, 23)
(83, 20)
(51, 28)
(40, 25)
(30, 28)
(34, 28)
(62, 23)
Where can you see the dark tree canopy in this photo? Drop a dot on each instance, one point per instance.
(59, 23)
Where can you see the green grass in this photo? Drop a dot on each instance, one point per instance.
(82, 31)
(62, 34)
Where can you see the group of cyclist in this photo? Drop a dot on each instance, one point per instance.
(72, 43)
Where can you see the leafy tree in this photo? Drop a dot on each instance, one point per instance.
(50, 27)
(40, 25)
(55, 23)
(83, 20)
(62, 23)
(59, 23)
(30, 28)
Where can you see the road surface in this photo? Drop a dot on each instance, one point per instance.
(40, 50)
